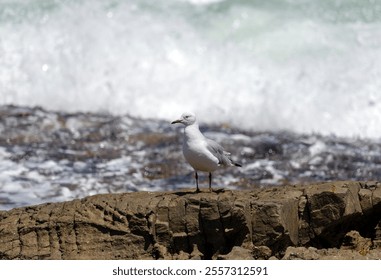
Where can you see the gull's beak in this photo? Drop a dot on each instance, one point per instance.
(176, 121)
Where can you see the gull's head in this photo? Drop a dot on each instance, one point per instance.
(186, 119)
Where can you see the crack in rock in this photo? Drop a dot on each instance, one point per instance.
(263, 223)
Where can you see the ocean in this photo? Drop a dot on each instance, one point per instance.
(300, 78)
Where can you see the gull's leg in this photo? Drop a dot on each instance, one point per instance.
(210, 181)
(196, 176)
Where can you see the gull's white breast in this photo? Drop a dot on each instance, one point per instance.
(196, 152)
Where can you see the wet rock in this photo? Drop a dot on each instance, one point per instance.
(290, 222)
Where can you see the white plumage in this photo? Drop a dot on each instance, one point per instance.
(202, 154)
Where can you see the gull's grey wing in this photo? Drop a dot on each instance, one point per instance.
(217, 150)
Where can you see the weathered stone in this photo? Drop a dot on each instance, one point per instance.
(237, 253)
(365, 196)
(328, 207)
(311, 253)
(261, 252)
(275, 218)
(377, 235)
(353, 240)
(376, 195)
(258, 224)
(301, 253)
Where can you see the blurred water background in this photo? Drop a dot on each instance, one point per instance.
(292, 87)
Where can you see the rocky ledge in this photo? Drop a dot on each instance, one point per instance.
(337, 220)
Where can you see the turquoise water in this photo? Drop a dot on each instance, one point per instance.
(298, 65)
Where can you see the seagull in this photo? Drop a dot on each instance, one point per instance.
(202, 154)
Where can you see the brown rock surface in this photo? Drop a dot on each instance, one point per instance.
(339, 220)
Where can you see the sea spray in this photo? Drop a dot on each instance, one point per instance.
(302, 66)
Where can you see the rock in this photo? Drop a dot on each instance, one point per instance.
(261, 253)
(311, 253)
(377, 236)
(290, 222)
(354, 246)
(328, 211)
(274, 218)
(301, 253)
(237, 253)
(196, 254)
(353, 240)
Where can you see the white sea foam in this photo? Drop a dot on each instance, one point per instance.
(262, 65)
